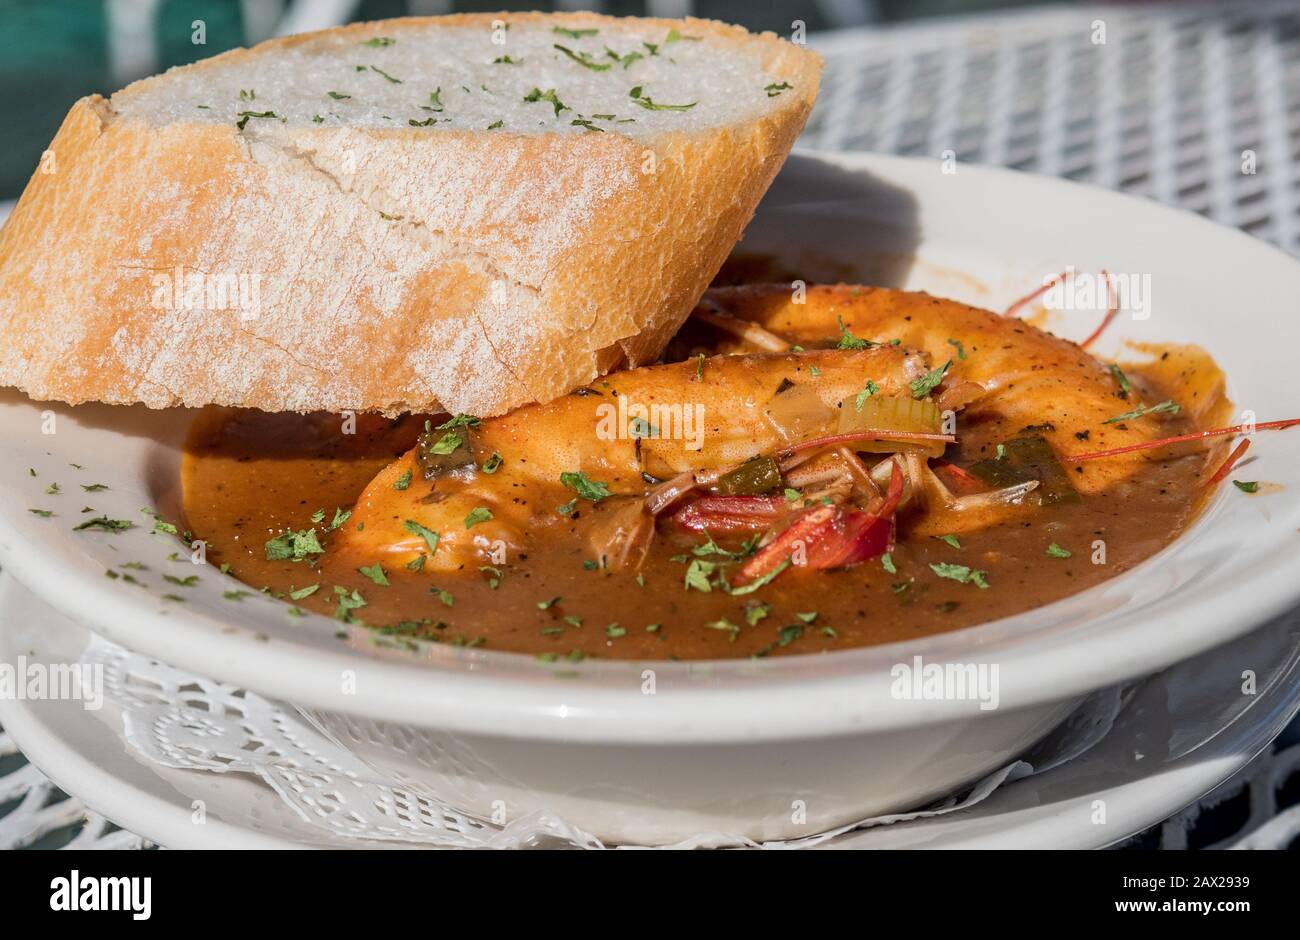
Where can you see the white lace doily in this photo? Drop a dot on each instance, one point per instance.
(176, 719)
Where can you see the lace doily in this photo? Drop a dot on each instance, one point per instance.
(176, 719)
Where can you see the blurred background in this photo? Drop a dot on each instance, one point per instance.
(54, 51)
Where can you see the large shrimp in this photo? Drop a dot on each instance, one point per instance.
(628, 433)
(1009, 376)
(650, 439)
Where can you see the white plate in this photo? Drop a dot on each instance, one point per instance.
(1185, 730)
(732, 741)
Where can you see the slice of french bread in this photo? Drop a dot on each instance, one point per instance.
(466, 213)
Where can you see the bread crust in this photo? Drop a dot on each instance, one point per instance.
(385, 269)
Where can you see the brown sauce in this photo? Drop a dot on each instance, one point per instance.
(248, 476)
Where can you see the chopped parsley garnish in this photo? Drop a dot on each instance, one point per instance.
(756, 611)
(584, 59)
(444, 596)
(962, 573)
(400, 483)
(950, 539)
(43, 513)
(495, 125)
(623, 60)
(775, 88)
(549, 96)
(493, 463)
(435, 100)
(1125, 387)
(375, 573)
(506, 60)
(447, 444)
(476, 515)
(650, 105)
(1168, 407)
(318, 516)
(930, 381)
(338, 95)
(1056, 551)
(427, 122)
(105, 523)
(88, 487)
(614, 631)
(430, 537)
(188, 581)
(871, 389)
(236, 595)
(308, 591)
(416, 563)
(340, 516)
(584, 486)
(961, 350)
(887, 562)
(548, 604)
(245, 115)
(348, 601)
(788, 634)
(724, 624)
(1246, 486)
(376, 69)
(294, 546)
(697, 575)
(848, 340)
(574, 33)
(377, 41)
(758, 582)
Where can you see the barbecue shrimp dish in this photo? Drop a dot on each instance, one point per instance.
(802, 472)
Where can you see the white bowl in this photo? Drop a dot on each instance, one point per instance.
(1177, 737)
(770, 748)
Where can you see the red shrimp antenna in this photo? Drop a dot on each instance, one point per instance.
(1228, 464)
(1112, 308)
(1035, 294)
(1185, 438)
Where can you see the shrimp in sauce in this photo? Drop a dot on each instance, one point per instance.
(859, 466)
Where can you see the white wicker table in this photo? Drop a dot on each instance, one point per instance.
(1193, 105)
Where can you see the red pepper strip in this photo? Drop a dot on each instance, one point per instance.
(1030, 297)
(1185, 438)
(832, 536)
(1112, 309)
(967, 480)
(731, 513)
(864, 435)
(1228, 464)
